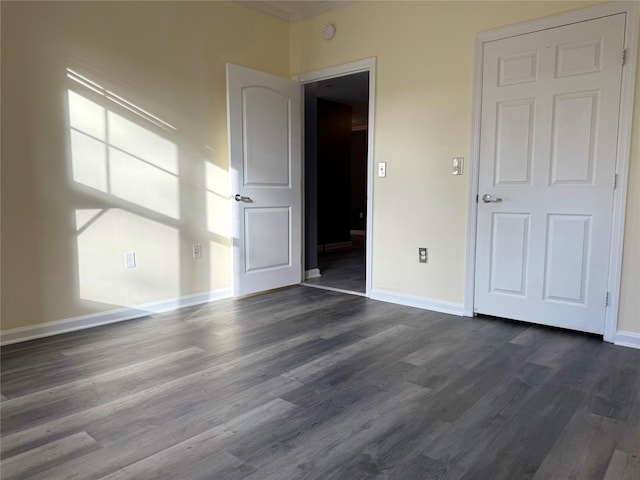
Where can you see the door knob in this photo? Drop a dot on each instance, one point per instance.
(240, 198)
(486, 198)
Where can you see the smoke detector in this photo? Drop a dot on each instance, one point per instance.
(329, 31)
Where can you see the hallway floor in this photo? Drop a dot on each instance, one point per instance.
(343, 269)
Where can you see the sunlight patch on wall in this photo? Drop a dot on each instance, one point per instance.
(122, 151)
(83, 217)
(143, 184)
(220, 265)
(89, 161)
(101, 273)
(114, 155)
(218, 206)
(141, 143)
(217, 179)
(87, 116)
(114, 98)
(218, 223)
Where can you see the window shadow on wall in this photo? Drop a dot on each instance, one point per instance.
(125, 161)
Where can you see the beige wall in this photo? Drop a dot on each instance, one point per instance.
(424, 81)
(166, 57)
(169, 59)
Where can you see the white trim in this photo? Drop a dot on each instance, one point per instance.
(624, 141)
(627, 339)
(364, 65)
(473, 169)
(82, 322)
(303, 189)
(334, 289)
(622, 170)
(313, 273)
(418, 302)
(306, 10)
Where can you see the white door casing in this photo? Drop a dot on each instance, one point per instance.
(264, 122)
(548, 145)
(364, 65)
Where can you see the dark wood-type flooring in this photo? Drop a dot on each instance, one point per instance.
(342, 269)
(304, 383)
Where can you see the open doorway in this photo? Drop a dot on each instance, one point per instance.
(336, 149)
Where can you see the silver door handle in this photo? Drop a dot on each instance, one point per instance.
(240, 198)
(486, 198)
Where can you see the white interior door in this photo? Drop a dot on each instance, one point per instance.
(549, 125)
(264, 114)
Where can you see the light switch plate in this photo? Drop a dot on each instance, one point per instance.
(382, 169)
(458, 163)
(129, 259)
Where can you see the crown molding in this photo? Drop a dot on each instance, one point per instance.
(294, 11)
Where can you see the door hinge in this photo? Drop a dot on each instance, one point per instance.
(624, 56)
(606, 299)
(476, 198)
(615, 181)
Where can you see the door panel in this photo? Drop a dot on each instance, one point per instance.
(579, 58)
(266, 162)
(514, 142)
(266, 137)
(566, 270)
(550, 105)
(268, 238)
(521, 68)
(574, 129)
(509, 253)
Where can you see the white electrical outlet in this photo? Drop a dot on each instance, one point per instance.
(197, 250)
(382, 169)
(130, 259)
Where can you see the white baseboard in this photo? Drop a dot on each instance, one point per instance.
(82, 322)
(627, 339)
(418, 302)
(313, 273)
(333, 289)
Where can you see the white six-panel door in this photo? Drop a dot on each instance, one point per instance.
(549, 125)
(264, 119)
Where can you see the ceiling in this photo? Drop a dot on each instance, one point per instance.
(294, 10)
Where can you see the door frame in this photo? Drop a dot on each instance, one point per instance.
(364, 65)
(623, 145)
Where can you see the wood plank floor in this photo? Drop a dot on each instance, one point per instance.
(304, 383)
(342, 269)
